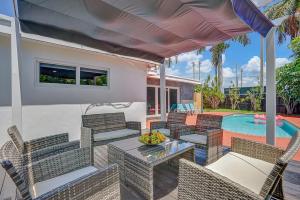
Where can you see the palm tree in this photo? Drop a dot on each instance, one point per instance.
(216, 60)
(220, 49)
(291, 25)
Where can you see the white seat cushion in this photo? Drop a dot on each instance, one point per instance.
(246, 171)
(164, 131)
(114, 134)
(48, 185)
(194, 138)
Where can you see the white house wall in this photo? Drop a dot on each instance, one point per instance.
(5, 87)
(58, 108)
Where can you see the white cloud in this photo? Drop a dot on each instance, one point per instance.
(253, 64)
(281, 61)
(250, 81)
(207, 48)
(173, 71)
(189, 57)
(228, 73)
(205, 67)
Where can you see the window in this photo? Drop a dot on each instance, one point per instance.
(52, 73)
(72, 75)
(93, 77)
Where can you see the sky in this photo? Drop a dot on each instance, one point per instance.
(236, 56)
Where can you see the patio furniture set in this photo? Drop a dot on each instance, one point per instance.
(55, 168)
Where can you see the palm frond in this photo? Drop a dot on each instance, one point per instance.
(242, 39)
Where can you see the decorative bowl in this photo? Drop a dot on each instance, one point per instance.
(153, 138)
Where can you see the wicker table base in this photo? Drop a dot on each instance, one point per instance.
(136, 171)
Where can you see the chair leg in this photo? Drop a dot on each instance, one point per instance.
(278, 191)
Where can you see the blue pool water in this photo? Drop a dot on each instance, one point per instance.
(245, 124)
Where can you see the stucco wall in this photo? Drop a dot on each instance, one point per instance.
(54, 109)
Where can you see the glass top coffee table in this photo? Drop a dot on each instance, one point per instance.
(136, 160)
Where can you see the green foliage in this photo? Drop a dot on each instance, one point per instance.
(255, 97)
(288, 84)
(212, 95)
(54, 79)
(234, 96)
(291, 25)
(198, 88)
(295, 47)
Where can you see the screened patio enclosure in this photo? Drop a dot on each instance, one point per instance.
(149, 30)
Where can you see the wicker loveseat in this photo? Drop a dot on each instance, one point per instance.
(101, 129)
(69, 175)
(251, 171)
(169, 127)
(36, 149)
(207, 134)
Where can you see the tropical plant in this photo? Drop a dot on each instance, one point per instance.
(289, 26)
(295, 47)
(198, 88)
(234, 96)
(218, 50)
(212, 95)
(255, 97)
(288, 84)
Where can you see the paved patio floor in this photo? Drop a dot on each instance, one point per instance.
(165, 179)
(280, 142)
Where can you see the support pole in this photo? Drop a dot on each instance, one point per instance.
(261, 79)
(16, 99)
(270, 88)
(163, 92)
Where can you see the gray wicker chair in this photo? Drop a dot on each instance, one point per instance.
(207, 134)
(251, 171)
(169, 127)
(68, 175)
(101, 129)
(40, 148)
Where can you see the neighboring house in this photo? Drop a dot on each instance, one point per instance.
(178, 90)
(59, 80)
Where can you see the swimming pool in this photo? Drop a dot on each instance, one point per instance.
(245, 124)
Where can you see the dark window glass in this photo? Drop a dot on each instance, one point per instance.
(173, 99)
(93, 77)
(51, 73)
(150, 101)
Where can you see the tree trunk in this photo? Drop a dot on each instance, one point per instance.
(220, 74)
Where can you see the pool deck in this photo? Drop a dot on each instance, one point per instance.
(280, 142)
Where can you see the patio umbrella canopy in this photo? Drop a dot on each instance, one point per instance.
(149, 29)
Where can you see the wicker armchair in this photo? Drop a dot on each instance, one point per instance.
(207, 134)
(68, 175)
(37, 149)
(251, 171)
(169, 127)
(101, 129)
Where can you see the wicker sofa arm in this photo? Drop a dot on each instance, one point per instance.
(157, 125)
(44, 142)
(257, 150)
(58, 165)
(134, 126)
(102, 184)
(197, 182)
(50, 151)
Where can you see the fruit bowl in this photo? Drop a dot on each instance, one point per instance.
(153, 138)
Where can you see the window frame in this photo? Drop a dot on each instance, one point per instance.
(77, 75)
